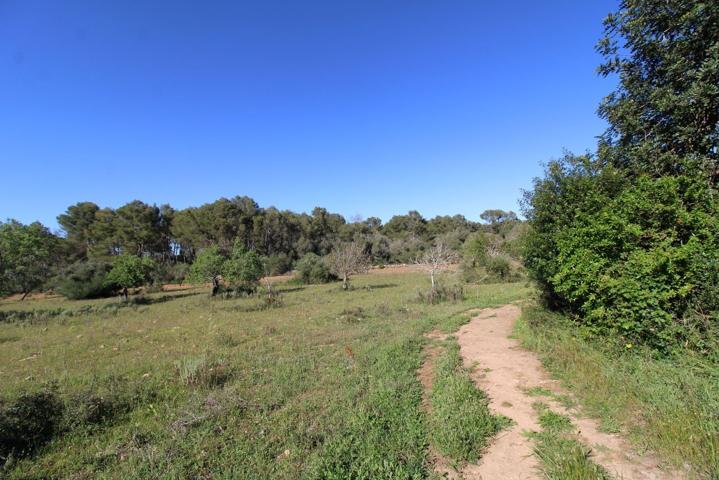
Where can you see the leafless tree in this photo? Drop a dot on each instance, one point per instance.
(437, 259)
(347, 259)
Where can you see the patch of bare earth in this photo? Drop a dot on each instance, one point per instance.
(506, 371)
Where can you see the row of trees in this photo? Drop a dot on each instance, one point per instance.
(211, 241)
(162, 232)
(627, 238)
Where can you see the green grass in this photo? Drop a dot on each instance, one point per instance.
(184, 386)
(561, 455)
(669, 405)
(460, 421)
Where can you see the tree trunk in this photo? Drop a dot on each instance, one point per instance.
(431, 276)
(25, 294)
(124, 293)
(215, 285)
(345, 284)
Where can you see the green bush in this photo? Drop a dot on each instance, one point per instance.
(312, 269)
(641, 266)
(84, 280)
(278, 264)
(244, 268)
(29, 422)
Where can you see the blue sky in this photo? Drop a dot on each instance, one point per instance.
(363, 107)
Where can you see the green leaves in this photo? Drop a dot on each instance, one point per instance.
(129, 271)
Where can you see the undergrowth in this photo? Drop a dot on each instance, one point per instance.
(666, 404)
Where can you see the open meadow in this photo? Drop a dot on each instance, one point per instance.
(178, 385)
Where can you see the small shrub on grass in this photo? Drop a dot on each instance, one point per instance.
(201, 372)
(313, 269)
(29, 422)
(461, 423)
(441, 293)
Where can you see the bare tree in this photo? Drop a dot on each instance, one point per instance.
(348, 259)
(437, 259)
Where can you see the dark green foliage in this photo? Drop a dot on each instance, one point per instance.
(29, 422)
(312, 269)
(277, 264)
(27, 253)
(84, 280)
(243, 268)
(663, 117)
(169, 272)
(129, 271)
(628, 240)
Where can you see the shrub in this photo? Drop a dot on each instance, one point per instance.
(499, 266)
(29, 422)
(441, 293)
(278, 264)
(244, 268)
(84, 280)
(312, 269)
(166, 272)
(201, 372)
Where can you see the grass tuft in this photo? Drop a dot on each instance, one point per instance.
(460, 421)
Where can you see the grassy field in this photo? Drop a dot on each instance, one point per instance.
(669, 405)
(179, 385)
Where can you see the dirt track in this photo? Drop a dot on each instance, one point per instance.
(505, 372)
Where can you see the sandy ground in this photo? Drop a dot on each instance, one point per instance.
(505, 371)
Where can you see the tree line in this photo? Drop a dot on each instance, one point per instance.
(158, 244)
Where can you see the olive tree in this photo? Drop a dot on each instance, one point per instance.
(347, 259)
(207, 267)
(130, 271)
(244, 267)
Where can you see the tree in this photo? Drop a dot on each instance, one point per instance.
(129, 271)
(627, 240)
(27, 253)
(664, 114)
(207, 267)
(496, 218)
(76, 222)
(348, 259)
(244, 267)
(437, 259)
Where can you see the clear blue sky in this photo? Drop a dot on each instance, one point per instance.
(362, 107)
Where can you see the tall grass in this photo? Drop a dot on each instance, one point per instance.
(669, 405)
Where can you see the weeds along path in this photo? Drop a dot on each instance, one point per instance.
(511, 376)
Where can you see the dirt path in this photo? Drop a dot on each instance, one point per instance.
(505, 372)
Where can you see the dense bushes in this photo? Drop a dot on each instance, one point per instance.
(313, 269)
(84, 280)
(636, 260)
(29, 422)
(628, 240)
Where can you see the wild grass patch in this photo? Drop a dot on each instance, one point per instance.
(665, 404)
(460, 421)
